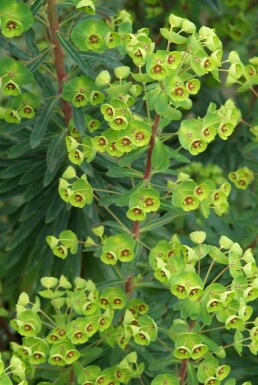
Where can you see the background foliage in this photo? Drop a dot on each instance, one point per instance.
(33, 157)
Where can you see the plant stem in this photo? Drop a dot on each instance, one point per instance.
(183, 371)
(136, 230)
(148, 168)
(59, 56)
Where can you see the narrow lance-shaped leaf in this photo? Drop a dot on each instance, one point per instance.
(42, 123)
(74, 55)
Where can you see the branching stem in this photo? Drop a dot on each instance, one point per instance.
(59, 56)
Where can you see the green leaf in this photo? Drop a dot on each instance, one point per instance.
(36, 6)
(56, 152)
(159, 158)
(75, 55)
(176, 155)
(191, 375)
(40, 127)
(215, 4)
(41, 56)
(13, 49)
(105, 59)
(249, 147)
(117, 172)
(131, 157)
(79, 120)
(161, 221)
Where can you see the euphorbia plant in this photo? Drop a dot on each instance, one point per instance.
(133, 122)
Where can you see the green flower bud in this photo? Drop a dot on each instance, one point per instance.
(190, 203)
(175, 21)
(197, 236)
(57, 360)
(179, 93)
(103, 78)
(108, 111)
(162, 275)
(225, 130)
(212, 381)
(60, 251)
(182, 353)
(179, 290)
(96, 97)
(197, 146)
(112, 149)
(119, 123)
(233, 322)
(12, 28)
(124, 144)
(11, 88)
(99, 143)
(27, 112)
(109, 258)
(12, 116)
(87, 6)
(76, 156)
(194, 293)
(142, 338)
(126, 255)
(80, 100)
(214, 305)
(188, 26)
(222, 372)
(193, 86)
(94, 42)
(122, 72)
(201, 191)
(164, 379)
(136, 214)
(112, 39)
(198, 351)
(49, 282)
(93, 125)
(140, 137)
(136, 90)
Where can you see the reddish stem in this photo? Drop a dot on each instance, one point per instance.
(183, 372)
(148, 168)
(136, 229)
(59, 57)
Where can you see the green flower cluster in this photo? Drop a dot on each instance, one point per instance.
(201, 172)
(244, 75)
(67, 241)
(119, 247)
(242, 177)
(189, 195)
(95, 35)
(76, 191)
(166, 259)
(15, 17)
(14, 75)
(142, 328)
(195, 134)
(125, 134)
(16, 368)
(175, 266)
(211, 372)
(82, 90)
(142, 202)
(81, 312)
(121, 373)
